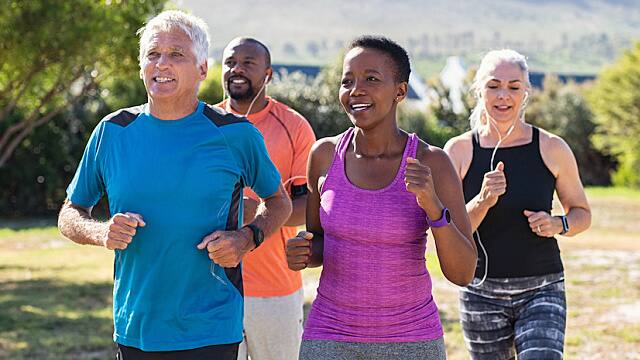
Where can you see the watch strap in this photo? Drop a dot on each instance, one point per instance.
(445, 219)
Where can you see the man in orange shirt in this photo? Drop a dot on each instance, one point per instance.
(273, 293)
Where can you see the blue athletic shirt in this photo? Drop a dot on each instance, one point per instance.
(185, 177)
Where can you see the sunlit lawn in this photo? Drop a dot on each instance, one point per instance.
(55, 296)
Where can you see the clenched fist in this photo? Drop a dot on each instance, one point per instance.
(298, 251)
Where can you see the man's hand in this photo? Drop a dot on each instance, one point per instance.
(298, 251)
(120, 230)
(494, 184)
(226, 248)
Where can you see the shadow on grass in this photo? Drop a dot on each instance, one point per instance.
(27, 223)
(44, 319)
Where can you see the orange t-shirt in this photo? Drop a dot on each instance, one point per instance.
(289, 138)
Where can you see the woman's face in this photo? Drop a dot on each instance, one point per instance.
(368, 89)
(504, 92)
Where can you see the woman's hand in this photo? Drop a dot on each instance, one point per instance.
(418, 180)
(298, 251)
(494, 184)
(543, 224)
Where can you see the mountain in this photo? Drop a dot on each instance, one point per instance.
(577, 36)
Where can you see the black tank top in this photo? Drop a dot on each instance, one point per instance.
(513, 249)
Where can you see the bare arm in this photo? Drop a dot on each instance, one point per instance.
(227, 248)
(299, 210)
(273, 212)
(494, 183)
(306, 249)
(297, 217)
(560, 160)
(75, 223)
(456, 250)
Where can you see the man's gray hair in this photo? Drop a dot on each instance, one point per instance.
(193, 26)
(488, 63)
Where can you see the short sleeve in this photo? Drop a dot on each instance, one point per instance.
(303, 141)
(87, 186)
(260, 174)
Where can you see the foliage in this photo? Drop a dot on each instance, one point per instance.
(211, 88)
(63, 66)
(54, 52)
(316, 99)
(563, 110)
(615, 100)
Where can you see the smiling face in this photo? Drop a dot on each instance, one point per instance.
(504, 92)
(369, 91)
(169, 67)
(244, 69)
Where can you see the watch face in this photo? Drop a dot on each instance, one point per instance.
(447, 215)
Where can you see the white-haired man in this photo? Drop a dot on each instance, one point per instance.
(173, 170)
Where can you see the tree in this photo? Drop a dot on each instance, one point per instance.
(563, 110)
(211, 88)
(53, 53)
(615, 100)
(316, 99)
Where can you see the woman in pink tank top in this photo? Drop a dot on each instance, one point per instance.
(373, 193)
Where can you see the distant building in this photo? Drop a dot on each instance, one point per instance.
(453, 75)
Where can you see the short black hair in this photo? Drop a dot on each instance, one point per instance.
(389, 47)
(267, 53)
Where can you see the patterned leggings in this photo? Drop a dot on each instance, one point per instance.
(527, 313)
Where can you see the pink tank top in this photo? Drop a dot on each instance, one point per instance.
(374, 285)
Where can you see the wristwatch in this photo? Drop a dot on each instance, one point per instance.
(258, 234)
(565, 224)
(445, 219)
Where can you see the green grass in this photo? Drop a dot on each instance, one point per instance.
(55, 296)
(598, 192)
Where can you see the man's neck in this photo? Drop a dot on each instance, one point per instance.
(242, 107)
(171, 110)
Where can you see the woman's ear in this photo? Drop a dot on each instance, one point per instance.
(401, 92)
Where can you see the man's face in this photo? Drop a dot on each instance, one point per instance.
(244, 70)
(169, 67)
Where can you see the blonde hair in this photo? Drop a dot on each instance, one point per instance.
(193, 26)
(488, 63)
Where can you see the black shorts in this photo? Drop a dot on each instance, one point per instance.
(213, 352)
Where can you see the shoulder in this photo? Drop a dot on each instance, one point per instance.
(431, 155)
(289, 116)
(550, 142)
(325, 147)
(555, 152)
(123, 117)
(460, 146)
(220, 117)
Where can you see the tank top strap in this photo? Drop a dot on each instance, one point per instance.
(412, 146)
(410, 150)
(535, 137)
(474, 138)
(343, 145)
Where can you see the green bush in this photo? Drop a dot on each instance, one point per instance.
(615, 100)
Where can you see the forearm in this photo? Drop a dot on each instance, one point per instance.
(317, 250)
(77, 225)
(298, 213)
(272, 213)
(579, 220)
(477, 210)
(457, 254)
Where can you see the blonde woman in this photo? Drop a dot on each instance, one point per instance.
(510, 170)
